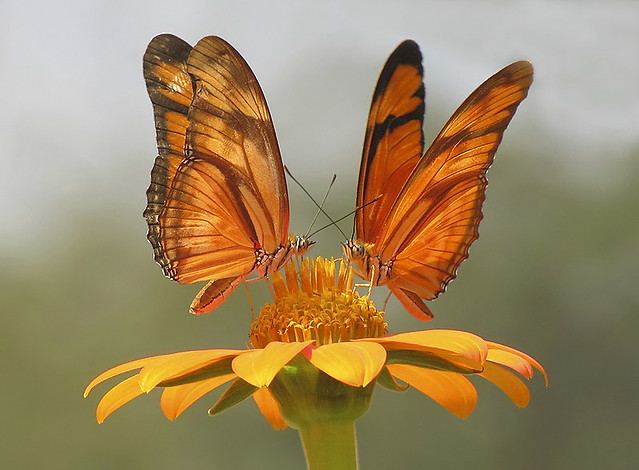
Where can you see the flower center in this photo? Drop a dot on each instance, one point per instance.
(317, 302)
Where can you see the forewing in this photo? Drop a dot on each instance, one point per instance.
(171, 92)
(394, 138)
(435, 219)
(229, 119)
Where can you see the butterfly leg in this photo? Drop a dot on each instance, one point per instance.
(369, 284)
(387, 299)
(370, 281)
(248, 296)
(248, 293)
(270, 287)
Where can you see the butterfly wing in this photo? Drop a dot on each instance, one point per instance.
(206, 230)
(171, 91)
(394, 138)
(435, 218)
(229, 117)
(227, 197)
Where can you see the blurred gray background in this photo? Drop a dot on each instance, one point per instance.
(554, 272)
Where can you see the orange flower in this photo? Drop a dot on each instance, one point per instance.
(318, 351)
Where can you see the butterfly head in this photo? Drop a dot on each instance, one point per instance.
(358, 254)
(354, 250)
(299, 244)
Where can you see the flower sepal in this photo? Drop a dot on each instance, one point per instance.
(237, 392)
(432, 361)
(386, 380)
(306, 395)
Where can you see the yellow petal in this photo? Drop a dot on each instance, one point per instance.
(119, 395)
(524, 356)
(258, 367)
(446, 341)
(278, 284)
(508, 383)
(175, 400)
(269, 408)
(511, 360)
(121, 369)
(291, 278)
(182, 363)
(453, 391)
(355, 364)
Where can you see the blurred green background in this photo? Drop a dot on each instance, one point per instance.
(554, 272)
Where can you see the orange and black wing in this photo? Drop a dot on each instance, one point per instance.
(394, 139)
(435, 218)
(229, 118)
(228, 196)
(171, 91)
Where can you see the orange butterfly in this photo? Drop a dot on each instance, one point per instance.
(217, 205)
(428, 207)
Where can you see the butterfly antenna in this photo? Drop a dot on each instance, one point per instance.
(353, 232)
(319, 206)
(360, 208)
(333, 222)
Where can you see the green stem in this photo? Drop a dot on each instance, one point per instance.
(330, 445)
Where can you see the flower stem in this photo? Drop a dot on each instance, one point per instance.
(330, 445)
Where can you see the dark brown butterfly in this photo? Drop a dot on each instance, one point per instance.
(217, 205)
(428, 207)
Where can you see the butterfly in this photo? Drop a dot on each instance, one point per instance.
(217, 206)
(427, 204)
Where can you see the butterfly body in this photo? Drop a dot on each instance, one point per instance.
(267, 263)
(419, 210)
(366, 263)
(217, 206)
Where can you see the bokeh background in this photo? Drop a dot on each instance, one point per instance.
(554, 272)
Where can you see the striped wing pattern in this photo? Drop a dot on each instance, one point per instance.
(171, 91)
(218, 199)
(417, 237)
(394, 139)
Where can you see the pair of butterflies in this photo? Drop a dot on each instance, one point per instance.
(218, 202)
